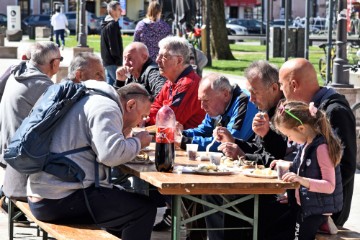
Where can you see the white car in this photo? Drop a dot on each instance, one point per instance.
(234, 29)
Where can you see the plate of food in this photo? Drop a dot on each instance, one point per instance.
(261, 173)
(212, 169)
(142, 158)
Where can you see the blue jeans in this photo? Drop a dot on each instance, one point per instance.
(60, 33)
(110, 74)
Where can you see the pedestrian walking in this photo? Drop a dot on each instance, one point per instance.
(59, 23)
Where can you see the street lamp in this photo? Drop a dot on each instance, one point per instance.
(82, 34)
(51, 27)
(341, 76)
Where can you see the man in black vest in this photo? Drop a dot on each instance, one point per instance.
(138, 67)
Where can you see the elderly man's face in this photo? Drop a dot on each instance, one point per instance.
(284, 80)
(261, 94)
(168, 63)
(213, 102)
(134, 60)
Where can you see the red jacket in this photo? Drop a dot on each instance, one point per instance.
(183, 96)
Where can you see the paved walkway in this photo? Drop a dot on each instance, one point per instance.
(67, 53)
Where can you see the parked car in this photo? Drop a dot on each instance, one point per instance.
(36, 20)
(234, 29)
(93, 22)
(3, 20)
(124, 22)
(280, 23)
(253, 26)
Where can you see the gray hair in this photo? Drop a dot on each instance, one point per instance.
(176, 46)
(112, 6)
(43, 52)
(82, 61)
(134, 91)
(217, 81)
(268, 73)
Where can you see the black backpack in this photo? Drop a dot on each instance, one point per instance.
(28, 151)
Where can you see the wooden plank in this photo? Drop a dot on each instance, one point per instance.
(343, 234)
(67, 232)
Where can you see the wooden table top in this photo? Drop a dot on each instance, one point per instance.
(185, 183)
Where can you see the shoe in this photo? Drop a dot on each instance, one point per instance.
(165, 223)
(62, 47)
(3, 205)
(328, 227)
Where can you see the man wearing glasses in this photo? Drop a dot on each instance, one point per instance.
(25, 85)
(182, 84)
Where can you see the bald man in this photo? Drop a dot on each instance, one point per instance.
(138, 67)
(298, 81)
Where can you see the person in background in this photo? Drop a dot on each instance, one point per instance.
(181, 86)
(23, 88)
(100, 122)
(225, 105)
(152, 29)
(316, 168)
(59, 23)
(86, 66)
(139, 67)
(298, 81)
(111, 46)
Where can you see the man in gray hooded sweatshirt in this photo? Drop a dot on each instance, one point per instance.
(24, 86)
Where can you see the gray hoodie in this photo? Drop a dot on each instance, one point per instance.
(95, 121)
(23, 88)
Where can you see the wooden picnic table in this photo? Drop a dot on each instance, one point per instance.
(185, 185)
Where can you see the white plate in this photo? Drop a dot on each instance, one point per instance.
(249, 173)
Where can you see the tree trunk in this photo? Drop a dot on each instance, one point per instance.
(219, 39)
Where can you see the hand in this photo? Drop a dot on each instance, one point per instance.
(275, 162)
(145, 138)
(231, 150)
(179, 127)
(282, 198)
(122, 73)
(261, 124)
(222, 134)
(293, 177)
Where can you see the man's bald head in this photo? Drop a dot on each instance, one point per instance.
(298, 80)
(134, 57)
(139, 47)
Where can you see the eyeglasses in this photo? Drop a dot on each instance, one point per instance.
(164, 57)
(60, 59)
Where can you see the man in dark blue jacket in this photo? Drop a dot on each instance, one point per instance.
(111, 42)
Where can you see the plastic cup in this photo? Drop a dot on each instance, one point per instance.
(215, 157)
(282, 168)
(191, 150)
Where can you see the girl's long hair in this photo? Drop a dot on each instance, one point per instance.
(291, 114)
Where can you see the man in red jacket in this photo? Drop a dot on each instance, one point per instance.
(181, 87)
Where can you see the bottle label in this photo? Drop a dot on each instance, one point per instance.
(165, 135)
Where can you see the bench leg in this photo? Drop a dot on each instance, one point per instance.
(45, 235)
(10, 218)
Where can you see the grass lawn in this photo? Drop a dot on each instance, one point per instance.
(244, 54)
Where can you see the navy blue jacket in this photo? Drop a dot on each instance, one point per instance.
(237, 118)
(313, 203)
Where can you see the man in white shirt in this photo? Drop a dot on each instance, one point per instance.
(59, 23)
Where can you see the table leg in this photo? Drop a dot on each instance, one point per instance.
(256, 216)
(176, 217)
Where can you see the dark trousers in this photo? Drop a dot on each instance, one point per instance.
(60, 33)
(126, 215)
(292, 225)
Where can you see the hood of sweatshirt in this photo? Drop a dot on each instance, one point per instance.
(26, 70)
(108, 19)
(104, 87)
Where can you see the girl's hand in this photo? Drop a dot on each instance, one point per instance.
(292, 177)
(222, 134)
(261, 124)
(231, 150)
(282, 198)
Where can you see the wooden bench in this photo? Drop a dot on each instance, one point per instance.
(58, 231)
(343, 234)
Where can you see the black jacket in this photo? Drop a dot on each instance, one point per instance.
(264, 150)
(150, 78)
(111, 42)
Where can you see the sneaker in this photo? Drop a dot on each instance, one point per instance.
(165, 223)
(3, 205)
(328, 227)
(62, 47)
